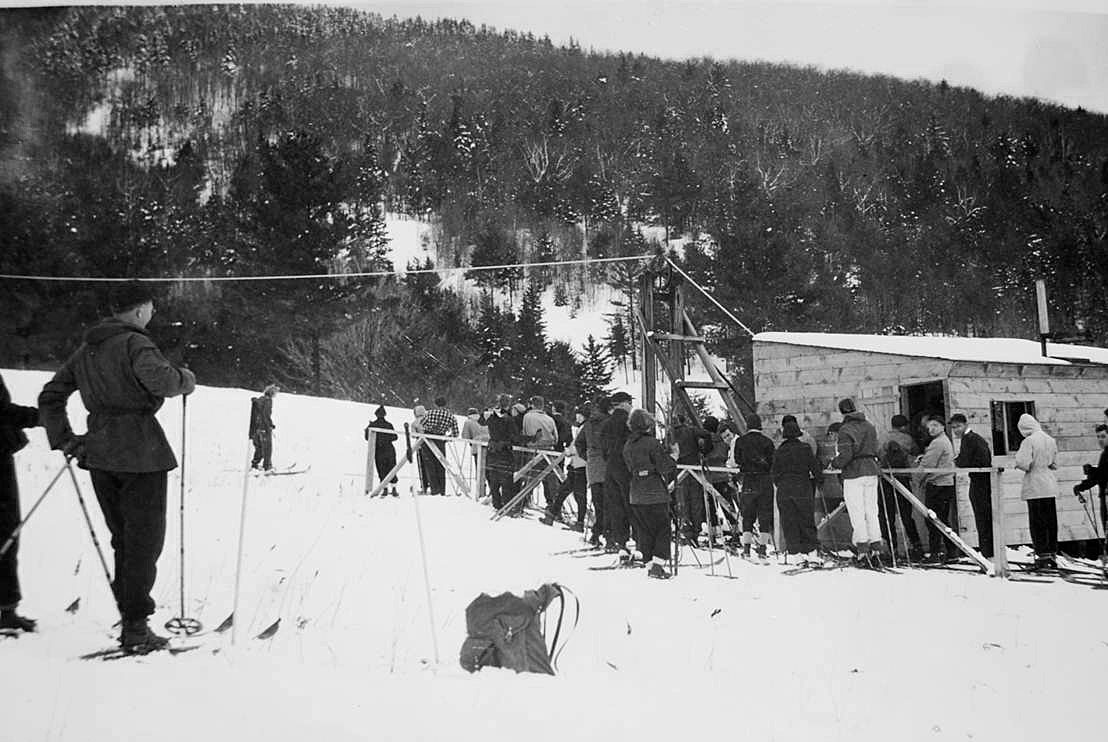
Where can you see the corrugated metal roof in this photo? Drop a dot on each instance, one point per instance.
(983, 350)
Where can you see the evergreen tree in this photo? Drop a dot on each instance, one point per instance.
(596, 369)
(493, 247)
(619, 346)
(561, 377)
(529, 352)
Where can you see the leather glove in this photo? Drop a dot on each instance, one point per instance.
(74, 448)
(1077, 491)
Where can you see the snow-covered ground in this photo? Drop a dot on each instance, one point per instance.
(837, 655)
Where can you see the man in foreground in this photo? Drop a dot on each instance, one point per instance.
(123, 379)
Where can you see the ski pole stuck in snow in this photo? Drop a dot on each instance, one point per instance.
(238, 561)
(180, 624)
(426, 576)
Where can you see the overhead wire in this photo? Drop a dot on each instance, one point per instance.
(317, 276)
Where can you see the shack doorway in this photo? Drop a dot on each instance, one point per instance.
(920, 401)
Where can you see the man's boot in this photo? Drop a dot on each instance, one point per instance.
(12, 621)
(137, 638)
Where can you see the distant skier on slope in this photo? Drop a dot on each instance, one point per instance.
(261, 428)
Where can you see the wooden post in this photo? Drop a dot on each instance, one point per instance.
(677, 349)
(649, 367)
(482, 455)
(1000, 536)
(370, 460)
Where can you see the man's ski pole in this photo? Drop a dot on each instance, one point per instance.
(238, 561)
(88, 522)
(423, 557)
(15, 534)
(181, 624)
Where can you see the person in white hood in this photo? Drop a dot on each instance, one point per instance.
(1037, 458)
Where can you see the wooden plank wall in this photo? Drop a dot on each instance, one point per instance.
(809, 382)
(1069, 403)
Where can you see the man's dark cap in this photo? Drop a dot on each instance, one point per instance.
(127, 296)
(620, 397)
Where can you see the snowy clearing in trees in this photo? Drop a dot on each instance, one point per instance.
(836, 655)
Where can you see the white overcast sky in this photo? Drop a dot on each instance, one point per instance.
(1056, 50)
(1053, 50)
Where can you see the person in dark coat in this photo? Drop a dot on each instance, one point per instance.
(123, 379)
(898, 451)
(595, 470)
(651, 469)
(384, 449)
(576, 481)
(974, 453)
(715, 455)
(13, 418)
(754, 456)
(500, 461)
(692, 441)
(617, 502)
(1097, 476)
(796, 472)
(261, 428)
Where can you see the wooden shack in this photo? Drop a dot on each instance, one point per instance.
(992, 381)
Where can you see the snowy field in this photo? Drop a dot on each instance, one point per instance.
(838, 655)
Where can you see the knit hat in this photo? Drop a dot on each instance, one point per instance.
(380, 412)
(790, 429)
(619, 397)
(640, 421)
(846, 406)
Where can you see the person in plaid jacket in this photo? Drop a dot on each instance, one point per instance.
(439, 421)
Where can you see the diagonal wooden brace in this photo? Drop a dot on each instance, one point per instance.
(380, 486)
(720, 499)
(523, 470)
(459, 481)
(525, 491)
(829, 516)
(946, 530)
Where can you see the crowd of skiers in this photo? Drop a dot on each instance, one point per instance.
(611, 453)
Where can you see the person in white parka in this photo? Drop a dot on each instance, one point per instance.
(1037, 458)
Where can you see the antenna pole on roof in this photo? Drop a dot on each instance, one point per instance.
(1044, 316)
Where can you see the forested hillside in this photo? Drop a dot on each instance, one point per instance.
(250, 140)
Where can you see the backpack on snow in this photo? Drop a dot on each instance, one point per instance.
(507, 631)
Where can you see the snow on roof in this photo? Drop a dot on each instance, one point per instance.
(983, 350)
